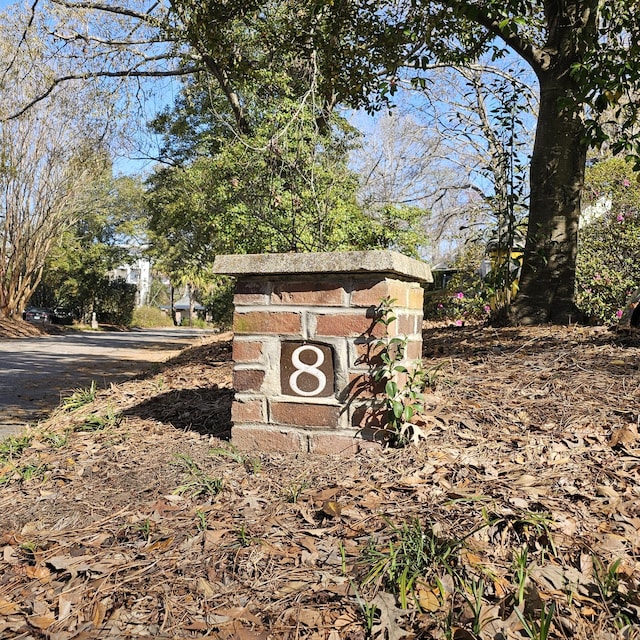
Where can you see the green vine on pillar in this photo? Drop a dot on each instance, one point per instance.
(404, 387)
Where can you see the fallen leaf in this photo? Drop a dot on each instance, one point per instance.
(527, 480)
(389, 616)
(41, 622)
(205, 588)
(606, 491)
(160, 545)
(38, 572)
(624, 436)
(8, 608)
(428, 599)
(331, 508)
(100, 611)
(70, 564)
(291, 587)
(238, 613)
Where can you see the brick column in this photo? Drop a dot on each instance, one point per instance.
(305, 328)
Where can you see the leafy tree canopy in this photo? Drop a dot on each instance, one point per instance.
(109, 232)
(286, 186)
(582, 51)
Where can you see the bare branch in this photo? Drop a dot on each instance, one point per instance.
(116, 9)
(101, 74)
(23, 39)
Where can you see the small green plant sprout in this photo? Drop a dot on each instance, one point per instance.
(97, 422)
(201, 520)
(143, 527)
(13, 446)
(538, 630)
(521, 571)
(243, 536)
(31, 471)
(618, 597)
(402, 400)
(80, 398)
(369, 612)
(295, 489)
(414, 553)
(606, 578)
(29, 549)
(199, 484)
(55, 439)
(473, 595)
(252, 465)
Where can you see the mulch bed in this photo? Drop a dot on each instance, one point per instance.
(132, 516)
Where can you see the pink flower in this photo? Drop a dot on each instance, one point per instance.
(487, 308)
(440, 305)
(619, 314)
(458, 323)
(626, 183)
(460, 295)
(620, 217)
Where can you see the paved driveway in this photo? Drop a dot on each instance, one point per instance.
(36, 372)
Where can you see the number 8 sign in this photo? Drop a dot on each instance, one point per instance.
(306, 370)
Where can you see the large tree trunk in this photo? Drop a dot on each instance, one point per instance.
(547, 281)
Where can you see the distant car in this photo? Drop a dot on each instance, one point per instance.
(38, 315)
(61, 315)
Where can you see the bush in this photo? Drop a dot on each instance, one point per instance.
(464, 299)
(151, 317)
(219, 301)
(115, 301)
(457, 306)
(196, 323)
(608, 264)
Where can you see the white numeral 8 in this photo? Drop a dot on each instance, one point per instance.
(311, 369)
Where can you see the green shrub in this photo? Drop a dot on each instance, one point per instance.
(115, 301)
(465, 297)
(151, 317)
(219, 301)
(608, 264)
(196, 323)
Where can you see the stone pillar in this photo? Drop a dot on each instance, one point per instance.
(305, 328)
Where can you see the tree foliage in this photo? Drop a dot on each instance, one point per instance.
(286, 186)
(49, 157)
(608, 268)
(109, 232)
(582, 52)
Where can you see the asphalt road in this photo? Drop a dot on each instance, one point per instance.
(35, 373)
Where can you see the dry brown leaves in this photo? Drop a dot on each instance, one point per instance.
(133, 517)
(17, 328)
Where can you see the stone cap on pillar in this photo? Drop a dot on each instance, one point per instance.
(264, 264)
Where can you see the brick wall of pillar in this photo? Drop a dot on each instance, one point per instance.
(335, 310)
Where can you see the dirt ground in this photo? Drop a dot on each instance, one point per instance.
(19, 329)
(131, 515)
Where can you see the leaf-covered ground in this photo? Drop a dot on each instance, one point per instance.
(130, 515)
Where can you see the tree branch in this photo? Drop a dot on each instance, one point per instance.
(118, 10)
(101, 74)
(536, 57)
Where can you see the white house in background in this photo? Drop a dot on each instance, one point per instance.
(592, 212)
(138, 273)
(183, 308)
